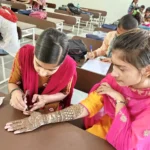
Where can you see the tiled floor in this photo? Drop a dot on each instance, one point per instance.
(77, 96)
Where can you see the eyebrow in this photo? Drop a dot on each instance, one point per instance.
(117, 65)
(44, 68)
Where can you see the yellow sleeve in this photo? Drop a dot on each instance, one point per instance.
(15, 76)
(93, 103)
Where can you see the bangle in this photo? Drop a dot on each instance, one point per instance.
(122, 102)
(15, 90)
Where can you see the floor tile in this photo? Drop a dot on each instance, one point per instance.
(7, 71)
(7, 58)
(8, 65)
(4, 90)
(3, 85)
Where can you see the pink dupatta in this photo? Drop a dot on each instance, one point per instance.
(57, 81)
(130, 129)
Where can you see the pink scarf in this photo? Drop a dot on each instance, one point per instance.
(57, 82)
(130, 129)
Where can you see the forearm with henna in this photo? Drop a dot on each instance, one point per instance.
(71, 113)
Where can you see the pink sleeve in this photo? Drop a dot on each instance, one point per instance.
(127, 134)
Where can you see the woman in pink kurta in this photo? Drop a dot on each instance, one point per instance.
(118, 107)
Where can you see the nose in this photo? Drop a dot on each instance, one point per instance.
(42, 72)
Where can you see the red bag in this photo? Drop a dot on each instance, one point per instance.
(39, 14)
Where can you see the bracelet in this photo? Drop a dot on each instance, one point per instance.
(122, 102)
(15, 90)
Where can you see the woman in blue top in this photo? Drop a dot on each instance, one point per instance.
(133, 6)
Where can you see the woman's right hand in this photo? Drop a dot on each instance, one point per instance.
(17, 100)
(90, 55)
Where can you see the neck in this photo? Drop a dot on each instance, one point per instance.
(145, 83)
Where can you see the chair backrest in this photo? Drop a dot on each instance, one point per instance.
(103, 30)
(103, 13)
(18, 6)
(95, 14)
(51, 5)
(15, 5)
(85, 17)
(61, 11)
(87, 41)
(6, 5)
(87, 79)
(70, 20)
(42, 24)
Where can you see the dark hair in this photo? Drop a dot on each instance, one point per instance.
(135, 45)
(51, 47)
(128, 22)
(138, 17)
(147, 9)
(70, 5)
(132, 1)
(142, 6)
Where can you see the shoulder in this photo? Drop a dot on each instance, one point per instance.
(26, 51)
(111, 81)
(70, 63)
(26, 48)
(111, 34)
(70, 60)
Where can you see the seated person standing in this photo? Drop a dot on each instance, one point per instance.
(43, 77)
(120, 103)
(133, 6)
(8, 31)
(126, 23)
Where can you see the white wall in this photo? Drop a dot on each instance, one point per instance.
(115, 8)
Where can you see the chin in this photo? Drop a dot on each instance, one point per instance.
(121, 83)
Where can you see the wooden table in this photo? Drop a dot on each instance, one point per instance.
(78, 20)
(15, 5)
(58, 22)
(27, 30)
(62, 136)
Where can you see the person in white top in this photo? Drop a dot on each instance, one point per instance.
(9, 42)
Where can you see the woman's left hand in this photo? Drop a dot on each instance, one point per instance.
(105, 88)
(26, 125)
(38, 101)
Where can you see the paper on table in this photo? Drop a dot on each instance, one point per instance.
(97, 66)
(1, 100)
